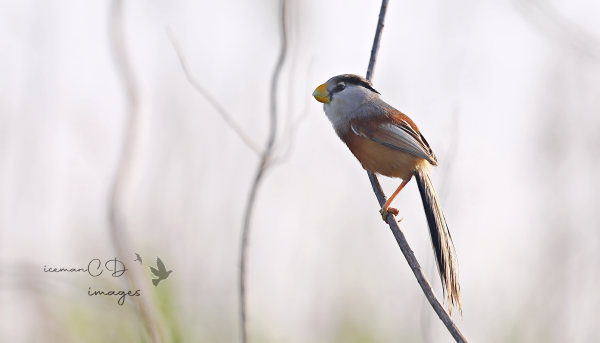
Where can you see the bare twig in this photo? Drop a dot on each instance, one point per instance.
(220, 109)
(391, 219)
(377, 39)
(116, 220)
(262, 167)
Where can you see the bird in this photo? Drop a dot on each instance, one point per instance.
(139, 258)
(161, 273)
(387, 142)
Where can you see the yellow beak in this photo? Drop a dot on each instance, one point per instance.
(321, 94)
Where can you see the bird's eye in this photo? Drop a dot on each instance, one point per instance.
(340, 87)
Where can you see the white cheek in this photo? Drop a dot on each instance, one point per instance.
(338, 116)
(345, 106)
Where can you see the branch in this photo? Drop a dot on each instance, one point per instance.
(220, 109)
(267, 159)
(262, 167)
(391, 219)
(289, 136)
(116, 221)
(377, 39)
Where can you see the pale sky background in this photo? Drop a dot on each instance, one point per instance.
(506, 93)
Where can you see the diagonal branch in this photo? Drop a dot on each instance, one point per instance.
(220, 109)
(391, 219)
(376, 40)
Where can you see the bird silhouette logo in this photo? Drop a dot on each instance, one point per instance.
(161, 273)
(139, 258)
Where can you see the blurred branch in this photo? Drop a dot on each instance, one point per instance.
(293, 121)
(220, 109)
(292, 129)
(556, 26)
(116, 220)
(266, 156)
(391, 219)
(260, 172)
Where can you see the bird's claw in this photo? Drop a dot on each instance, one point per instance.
(384, 213)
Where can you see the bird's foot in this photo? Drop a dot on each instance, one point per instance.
(384, 213)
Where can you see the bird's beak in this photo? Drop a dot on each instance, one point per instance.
(321, 94)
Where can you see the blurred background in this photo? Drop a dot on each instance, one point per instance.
(506, 93)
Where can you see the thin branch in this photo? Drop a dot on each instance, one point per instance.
(414, 265)
(119, 237)
(391, 219)
(377, 39)
(262, 167)
(220, 109)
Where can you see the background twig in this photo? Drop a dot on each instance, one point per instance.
(116, 221)
(289, 136)
(267, 158)
(220, 109)
(391, 219)
(260, 172)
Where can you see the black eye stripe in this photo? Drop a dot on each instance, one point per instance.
(350, 79)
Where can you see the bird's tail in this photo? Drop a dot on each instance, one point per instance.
(156, 281)
(445, 255)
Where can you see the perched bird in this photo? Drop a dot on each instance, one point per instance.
(139, 258)
(161, 273)
(387, 142)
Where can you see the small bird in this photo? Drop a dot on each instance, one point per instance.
(139, 258)
(161, 273)
(387, 142)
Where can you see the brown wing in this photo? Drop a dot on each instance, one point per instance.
(399, 133)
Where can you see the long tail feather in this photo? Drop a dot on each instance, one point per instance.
(443, 247)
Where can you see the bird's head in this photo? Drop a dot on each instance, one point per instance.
(343, 97)
(344, 88)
